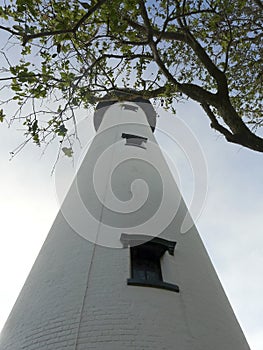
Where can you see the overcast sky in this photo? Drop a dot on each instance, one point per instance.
(230, 223)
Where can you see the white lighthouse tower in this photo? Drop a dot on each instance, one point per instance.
(115, 272)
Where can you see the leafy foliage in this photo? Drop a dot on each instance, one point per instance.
(73, 52)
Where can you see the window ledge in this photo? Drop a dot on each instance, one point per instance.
(153, 284)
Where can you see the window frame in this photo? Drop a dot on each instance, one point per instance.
(134, 140)
(155, 246)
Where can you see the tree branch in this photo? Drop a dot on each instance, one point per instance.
(9, 30)
(26, 37)
(186, 37)
(88, 14)
(190, 13)
(215, 124)
(259, 3)
(166, 35)
(246, 138)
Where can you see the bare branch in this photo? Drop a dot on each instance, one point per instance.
(9, 30)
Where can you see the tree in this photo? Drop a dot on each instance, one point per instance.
(73, 52)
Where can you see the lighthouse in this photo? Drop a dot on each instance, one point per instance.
(115, 271)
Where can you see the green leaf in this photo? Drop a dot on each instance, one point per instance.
(35, 126)
(62, 130)
(2, 115)
(67, 151)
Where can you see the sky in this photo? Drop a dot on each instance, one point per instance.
(230, 221)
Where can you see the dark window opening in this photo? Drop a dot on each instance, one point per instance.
(135, 140)
(145, 265)
(130, 108)
(145, 260)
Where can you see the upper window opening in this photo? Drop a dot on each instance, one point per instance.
(135, 140)
(130, 107)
